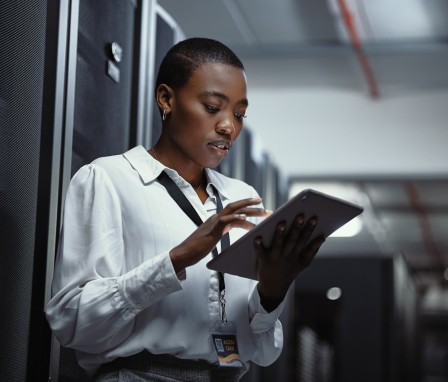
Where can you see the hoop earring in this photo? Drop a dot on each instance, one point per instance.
(164, 115)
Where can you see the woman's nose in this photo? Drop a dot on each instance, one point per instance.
(225, 126)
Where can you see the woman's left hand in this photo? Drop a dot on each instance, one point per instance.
(287, 256)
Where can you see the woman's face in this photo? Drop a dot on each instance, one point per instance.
(206, 115)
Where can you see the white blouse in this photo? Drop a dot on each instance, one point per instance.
(115, 292)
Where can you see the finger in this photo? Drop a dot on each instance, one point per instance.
(217, 225)
(293, 235)
(278, 241)
(311, 251)
(317, 243)
(251, 211)
(305, 234)
(240, 204)
(243, 224)
(235, 221)
(238, 219)
(230, 219)
(260, 250)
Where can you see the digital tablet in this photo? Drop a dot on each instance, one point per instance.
(331, 212)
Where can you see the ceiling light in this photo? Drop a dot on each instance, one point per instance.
(345, 191)
(334, 293)
(352, 228)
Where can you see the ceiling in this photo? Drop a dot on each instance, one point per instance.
(383, 50)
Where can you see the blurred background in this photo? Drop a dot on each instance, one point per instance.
(349, 97)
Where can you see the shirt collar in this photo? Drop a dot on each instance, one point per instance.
(146, 166)
(149, 169)
(216, 179)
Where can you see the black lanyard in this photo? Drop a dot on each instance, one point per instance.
(189, 210)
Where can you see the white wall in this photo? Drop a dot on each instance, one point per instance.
(331, 130)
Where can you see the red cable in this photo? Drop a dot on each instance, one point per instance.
(357, 46)
(425, 227)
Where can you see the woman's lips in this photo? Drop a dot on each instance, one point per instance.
(221, 146)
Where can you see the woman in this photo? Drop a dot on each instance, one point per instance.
(131, 291)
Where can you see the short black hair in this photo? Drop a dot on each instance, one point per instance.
(186, 56)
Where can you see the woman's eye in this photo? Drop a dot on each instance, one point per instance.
(211, 109)
(239, 117)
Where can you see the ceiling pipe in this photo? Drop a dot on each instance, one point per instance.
(357, 46)
(431, 247)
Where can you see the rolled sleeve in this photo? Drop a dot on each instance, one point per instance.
(261, 320)
(266, 329)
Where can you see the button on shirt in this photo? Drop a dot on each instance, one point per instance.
(115, 291)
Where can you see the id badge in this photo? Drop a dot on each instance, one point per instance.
(225, 343)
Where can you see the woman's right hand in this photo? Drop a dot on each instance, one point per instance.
(202, 241)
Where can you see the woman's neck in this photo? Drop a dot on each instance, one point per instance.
(192, 173)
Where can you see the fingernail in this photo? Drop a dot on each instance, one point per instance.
(313, 221)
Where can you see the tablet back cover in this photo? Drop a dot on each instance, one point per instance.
(332, 213)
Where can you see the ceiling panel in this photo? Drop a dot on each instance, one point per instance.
(406, 19)
(434, 195)
(401, 226)
(303, 72)
(295, 21)
(409, 68)
(199, 18)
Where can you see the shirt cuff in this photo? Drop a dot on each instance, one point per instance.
(182, 275)
(149, 282)
(260, 319)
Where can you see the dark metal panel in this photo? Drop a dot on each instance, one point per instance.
(27, 93)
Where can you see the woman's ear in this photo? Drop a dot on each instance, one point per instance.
(164, 97)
